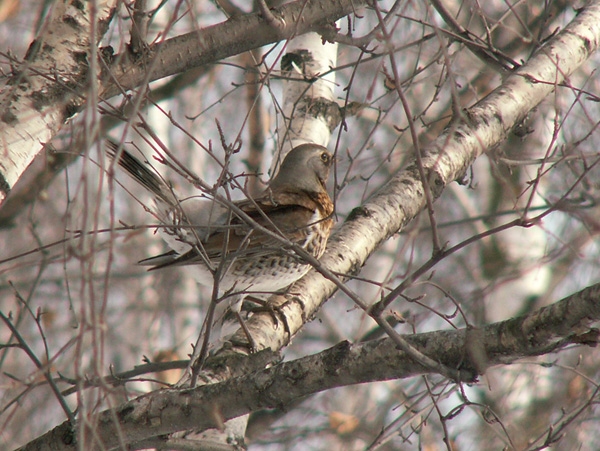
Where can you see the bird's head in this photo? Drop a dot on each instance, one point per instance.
(306, 167)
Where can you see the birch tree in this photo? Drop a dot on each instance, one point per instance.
(455, 305)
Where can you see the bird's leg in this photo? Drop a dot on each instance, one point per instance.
(251, 343)
(228, 325)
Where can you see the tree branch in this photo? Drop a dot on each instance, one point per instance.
(470, 351)
(45, 91)
(211, 44)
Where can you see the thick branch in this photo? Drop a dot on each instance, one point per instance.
(209, 45)
(45, 91)
(470, 351)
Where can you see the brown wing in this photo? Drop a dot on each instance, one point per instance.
(288, 217)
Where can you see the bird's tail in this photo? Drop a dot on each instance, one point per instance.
(178, 216)
(140, 173)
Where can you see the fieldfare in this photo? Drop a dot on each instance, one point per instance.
(248, 246)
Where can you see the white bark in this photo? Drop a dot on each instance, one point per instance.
(45, 90)
(307, 94)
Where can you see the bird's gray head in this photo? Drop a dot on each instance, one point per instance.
(306, 167)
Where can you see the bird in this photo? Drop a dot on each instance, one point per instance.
(245, 247)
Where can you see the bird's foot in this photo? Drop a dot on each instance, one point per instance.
(275, 311)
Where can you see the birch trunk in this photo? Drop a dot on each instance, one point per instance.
(47, 88)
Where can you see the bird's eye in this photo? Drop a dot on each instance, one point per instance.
(325, 157)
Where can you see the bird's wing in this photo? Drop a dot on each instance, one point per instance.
(238, 239)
